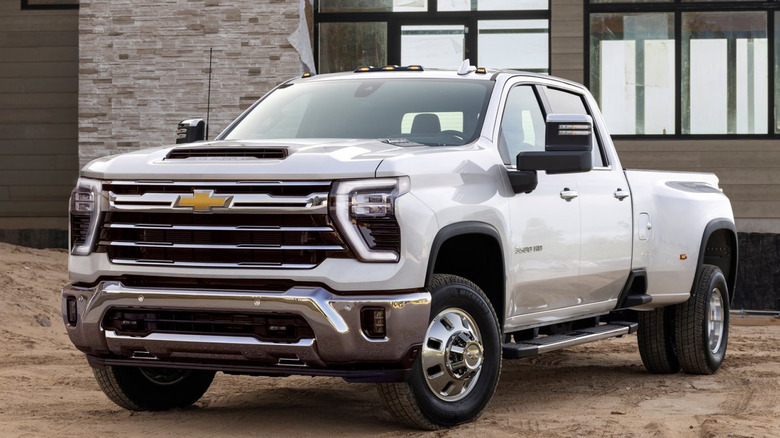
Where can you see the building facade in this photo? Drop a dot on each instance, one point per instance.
(685, 85)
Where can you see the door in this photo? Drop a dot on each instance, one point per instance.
(605, 213)
(545, 224)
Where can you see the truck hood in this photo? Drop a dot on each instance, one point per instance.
(235, 160)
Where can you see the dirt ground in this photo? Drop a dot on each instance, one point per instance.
(600, 389)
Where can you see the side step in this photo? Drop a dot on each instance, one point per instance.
(533, 347)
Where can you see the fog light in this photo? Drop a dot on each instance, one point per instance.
(373, 320)
(72, 310)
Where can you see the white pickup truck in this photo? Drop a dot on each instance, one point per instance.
(392, 225)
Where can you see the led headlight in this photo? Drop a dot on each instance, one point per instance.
(84, 214)
(364, 211)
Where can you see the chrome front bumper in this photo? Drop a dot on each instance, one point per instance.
(339, 341)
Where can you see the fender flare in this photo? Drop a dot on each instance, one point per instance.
(460, 229)
(731, 277)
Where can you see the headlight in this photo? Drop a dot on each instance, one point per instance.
(364, 211)
(84, 214)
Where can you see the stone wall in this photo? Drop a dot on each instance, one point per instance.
(143, 66)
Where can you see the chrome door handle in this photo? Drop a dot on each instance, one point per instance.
(621, 195)
(568, 194)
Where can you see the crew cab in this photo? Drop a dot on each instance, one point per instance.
(396, 225)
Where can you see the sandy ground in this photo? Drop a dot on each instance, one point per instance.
(601, 389)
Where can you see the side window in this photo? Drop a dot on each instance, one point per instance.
(563, 102)
(522, 125)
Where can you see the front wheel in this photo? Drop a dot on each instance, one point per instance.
(152, 389)
(457, 371)
(702, 324)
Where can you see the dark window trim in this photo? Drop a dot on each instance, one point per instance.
(677, 8)
(27, 6)
(395, 20)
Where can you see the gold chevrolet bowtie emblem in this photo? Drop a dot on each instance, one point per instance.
(202, 200)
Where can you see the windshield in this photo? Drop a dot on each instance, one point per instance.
(398, 111)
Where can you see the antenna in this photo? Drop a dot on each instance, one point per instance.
(208, 98)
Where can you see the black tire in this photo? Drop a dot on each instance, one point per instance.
(702, 324)
(656, 340)
(152, 389)
(468, 384)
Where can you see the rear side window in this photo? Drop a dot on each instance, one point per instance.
(564, 102)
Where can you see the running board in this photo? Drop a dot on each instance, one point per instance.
(533, 347)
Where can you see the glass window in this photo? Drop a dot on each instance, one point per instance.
(777, 73)
(346, 46)
(522, 125)
(499, 41)
(632, 71)
(724, 73)
(490, 5)
(564, 102)
(631, 1)
(373, 5)
(434, 46)
(371, 108)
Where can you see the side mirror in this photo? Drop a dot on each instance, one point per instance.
(568, 146)
(191, 130)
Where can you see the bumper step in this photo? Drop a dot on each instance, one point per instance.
(518, 350)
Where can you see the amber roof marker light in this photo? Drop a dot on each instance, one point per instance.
(390, 68)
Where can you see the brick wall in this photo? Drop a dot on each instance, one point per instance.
(143, 66)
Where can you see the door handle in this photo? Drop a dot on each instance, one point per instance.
(620, 194)
(568, 194)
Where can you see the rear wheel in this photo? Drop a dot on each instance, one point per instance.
(702, 324)
(656, 340)
(457, 371)
(152, 389)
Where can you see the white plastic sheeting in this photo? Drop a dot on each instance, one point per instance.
(301, 40)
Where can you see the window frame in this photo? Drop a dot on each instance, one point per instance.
(677, 8)
(432, 16)
(27, 5)
(540, 87)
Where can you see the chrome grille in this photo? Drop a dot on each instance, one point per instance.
(288, 226)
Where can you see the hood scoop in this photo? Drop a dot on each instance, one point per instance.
(226, 153)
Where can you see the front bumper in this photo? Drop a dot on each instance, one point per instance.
(339, 346)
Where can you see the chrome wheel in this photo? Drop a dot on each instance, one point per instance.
(452, 354)
(715, 320)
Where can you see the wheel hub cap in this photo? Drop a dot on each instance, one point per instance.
(715, 320)
(452, 354)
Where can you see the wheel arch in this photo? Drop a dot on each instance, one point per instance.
(719, 247)
(472, 250)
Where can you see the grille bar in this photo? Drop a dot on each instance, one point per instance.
(242, 246)
(188, 264)
(258, 228)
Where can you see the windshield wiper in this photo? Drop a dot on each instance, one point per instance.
(401, 142)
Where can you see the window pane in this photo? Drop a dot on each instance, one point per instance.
(433, 46)
(515, 44)
(346, 46)
(632, 1)
(491, 5)
(777, 73)
(632, 71)
(373, 5)
(522, 125)
(563, 102)
(724, 73)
